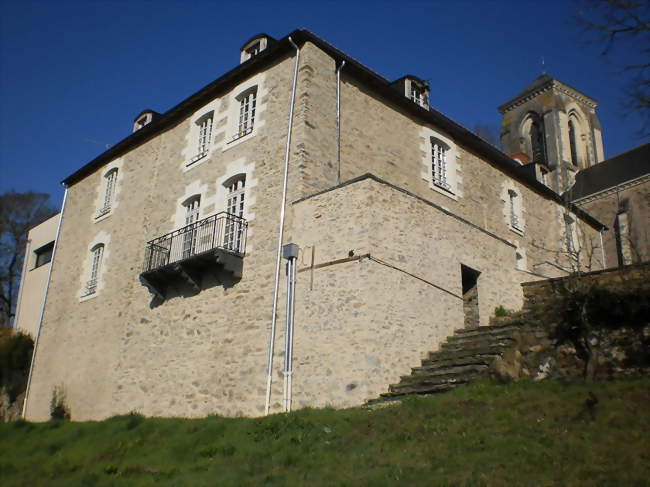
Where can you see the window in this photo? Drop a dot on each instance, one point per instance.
(192, 211)
(536, 134)
(247, 106)
(417, 94)
(572, 143)
(570, 243)
(96, 254)
(235, 209)
(253, 50)
(204, 125)
(439, 167)
(544, 176)
(514, 210)
(43, 254)
(110, 178)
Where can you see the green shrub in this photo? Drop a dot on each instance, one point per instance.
(58, 408)
(500, 312)
(15, 359)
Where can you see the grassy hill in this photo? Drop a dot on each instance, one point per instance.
(483, 434)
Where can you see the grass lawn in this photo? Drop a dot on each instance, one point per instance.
(484, 434)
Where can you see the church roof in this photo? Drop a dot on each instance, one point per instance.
(615, 171)
(542, 83)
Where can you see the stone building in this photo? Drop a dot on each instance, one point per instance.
(553, 127)
(617, 193)
(34, 277)
(162, 298)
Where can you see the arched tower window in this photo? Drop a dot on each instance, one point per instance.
(572, 143)
(536, 134)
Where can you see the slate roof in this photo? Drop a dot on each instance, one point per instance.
(617, 170)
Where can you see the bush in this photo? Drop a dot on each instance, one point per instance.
(15, 359)
(58, 408)
(500, 312)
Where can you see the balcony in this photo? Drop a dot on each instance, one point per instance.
(213, 246)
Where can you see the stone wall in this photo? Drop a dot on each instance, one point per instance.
(536, 354)
(361, 324)
(608, 204)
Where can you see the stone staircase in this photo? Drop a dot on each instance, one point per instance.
(466, 355)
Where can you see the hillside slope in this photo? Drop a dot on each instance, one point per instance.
(484, 434)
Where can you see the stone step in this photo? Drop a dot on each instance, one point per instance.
(481, 337)
(394, 396)
(438, 369)
(426, 381)
(487, 330)
(459, 356)
(426, 388)
(487, 346)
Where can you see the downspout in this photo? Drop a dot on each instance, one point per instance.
(281, 234)
(602, 249)
(338, 120)
(47, 290)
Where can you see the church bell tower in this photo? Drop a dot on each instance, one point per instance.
(555, 127)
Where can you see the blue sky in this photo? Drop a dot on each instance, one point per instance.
(74, 74)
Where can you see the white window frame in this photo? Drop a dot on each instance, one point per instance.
(514, 210)
(110, 181)
(96, 257)
(203, 136)
(441, 167)
(107, 197)
(235, 207)
(192, 215)
(247, 101)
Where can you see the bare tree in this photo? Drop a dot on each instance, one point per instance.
(626, 24)
(489, 133)
(18, 213)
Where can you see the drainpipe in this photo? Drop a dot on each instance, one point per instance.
(281, 234)
(602, 249)
(338, 119)
(47, 289)
(290, 252)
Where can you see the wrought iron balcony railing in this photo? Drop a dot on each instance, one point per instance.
(221, 231)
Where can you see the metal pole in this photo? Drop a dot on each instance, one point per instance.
(293, 315)
(285, 370)
(602, 250)
(281, 235)
(47, 289)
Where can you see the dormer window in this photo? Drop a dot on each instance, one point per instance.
(253, 50)
(145, 118)
(417, 91)
(254, 46)
(417, 94)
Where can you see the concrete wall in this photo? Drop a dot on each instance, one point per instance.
(34, 279)
(117, 351)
